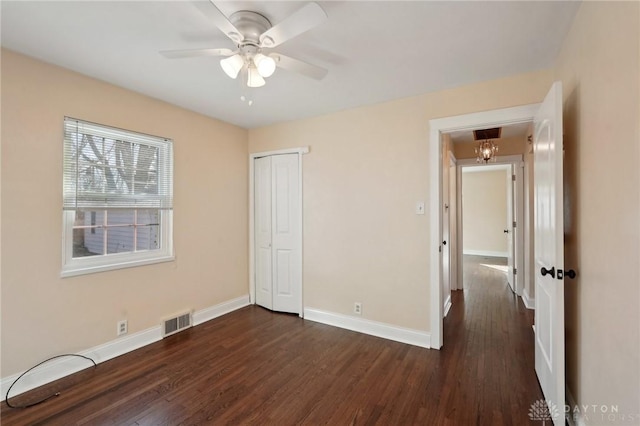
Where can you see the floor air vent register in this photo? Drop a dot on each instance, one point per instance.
(176, 324)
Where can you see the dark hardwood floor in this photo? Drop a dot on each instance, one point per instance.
(257, 367)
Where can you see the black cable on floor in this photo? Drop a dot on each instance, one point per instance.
(37, 365)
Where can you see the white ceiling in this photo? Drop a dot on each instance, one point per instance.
(375, 51)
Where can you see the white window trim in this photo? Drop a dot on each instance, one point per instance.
(106, 262)
(100, 263)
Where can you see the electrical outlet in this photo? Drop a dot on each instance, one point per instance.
(122, 327)
(357, 308)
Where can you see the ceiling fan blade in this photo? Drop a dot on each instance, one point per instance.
(301, 67)
(300, 21)
(190, 53)
(211, 11)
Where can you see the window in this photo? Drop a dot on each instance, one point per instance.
(117, 198)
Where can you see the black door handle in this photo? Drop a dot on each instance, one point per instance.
(570, 273)
(444, 243)
(551, 271)
(506, 231)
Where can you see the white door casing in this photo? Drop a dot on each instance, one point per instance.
(275, 229)
(549, 250)
(519, 230)
(263, 237)
(516, 238)
(516, 259)
(437, 127)
(453, 224)
(446, 243)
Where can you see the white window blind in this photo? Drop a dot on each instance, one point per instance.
(105, 167)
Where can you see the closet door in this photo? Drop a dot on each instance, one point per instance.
(277, 230)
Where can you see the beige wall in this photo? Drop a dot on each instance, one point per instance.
(44, 315)
(599, 68)
(366, 170)
(484, 212)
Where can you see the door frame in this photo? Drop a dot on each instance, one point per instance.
(445, 273)
(454, 209)
(517, 168)
(437, 127)
(252, 259)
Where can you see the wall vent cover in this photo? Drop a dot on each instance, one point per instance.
(484, 134)
(177, 323)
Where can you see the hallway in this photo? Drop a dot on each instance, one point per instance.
(489, 337)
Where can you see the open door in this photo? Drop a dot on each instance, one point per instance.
(549, 252)
(509, 231)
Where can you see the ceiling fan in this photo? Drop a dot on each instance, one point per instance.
(252, 33)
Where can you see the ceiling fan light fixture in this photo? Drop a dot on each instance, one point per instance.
(232, 65)
(254, 79)
(266, 65)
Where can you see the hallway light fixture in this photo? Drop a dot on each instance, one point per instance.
(487, 148)
(486, 151)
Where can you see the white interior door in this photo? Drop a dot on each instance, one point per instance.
(277, 231)
(509, 230)
(286, 250)
(549, 250)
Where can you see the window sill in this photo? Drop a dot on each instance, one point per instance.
(75, 270)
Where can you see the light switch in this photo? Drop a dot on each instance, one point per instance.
(420, 207)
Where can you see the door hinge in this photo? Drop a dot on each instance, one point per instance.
(513, 177)
(514, 223)
(515, 271)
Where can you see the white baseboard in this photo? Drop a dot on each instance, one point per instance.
(573, 418)
(374, 328)
(528, 301)
(489, 253)
(61, 367)
(447, 306)
(220, 309)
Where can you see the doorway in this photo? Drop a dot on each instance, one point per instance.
(486, 213)
(548, 229)
(491, 218)
(438, 128)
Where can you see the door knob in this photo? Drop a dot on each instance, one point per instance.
(570, 273)
(506, 231)
(544, 271)
(444, 243)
